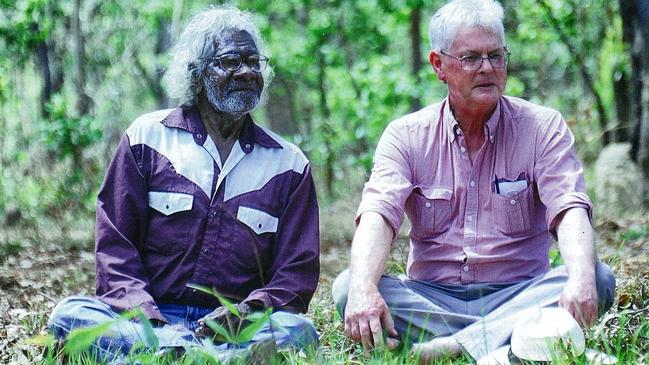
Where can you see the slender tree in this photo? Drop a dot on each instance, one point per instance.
(635, 20)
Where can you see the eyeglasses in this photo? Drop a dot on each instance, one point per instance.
(231, 62)
(474, 62)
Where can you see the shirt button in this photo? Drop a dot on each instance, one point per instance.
(206, 250)
(247, 145)
(513, 202)
(199, 136)
(465, 268)
(427, 204)
(462, 149)
(472, 183)
(469, 218)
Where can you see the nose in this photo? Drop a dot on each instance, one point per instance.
(245, 72)
(485, 65)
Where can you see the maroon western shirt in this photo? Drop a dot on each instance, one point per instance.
(169, 213)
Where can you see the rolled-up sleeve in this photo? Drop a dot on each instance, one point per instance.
(295, 265)
(390, 183)
(122, 210)
(558, 172)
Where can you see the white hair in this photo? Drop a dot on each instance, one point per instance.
(447, 21)
(198, 41)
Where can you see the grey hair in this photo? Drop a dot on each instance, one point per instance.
(198, 41)
(447, 21)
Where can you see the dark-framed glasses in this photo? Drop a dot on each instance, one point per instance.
(498, 59)
(231, 62)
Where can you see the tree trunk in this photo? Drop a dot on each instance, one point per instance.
(643, 146)
(415, 47)
(632, 37)
(623, 112)
(328, 134)
(583, 70)
(83, 101)
(280, 110)
(635, 25)
(162, 45)
(44, 63)
(642, 32)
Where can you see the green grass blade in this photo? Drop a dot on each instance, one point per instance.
(224, 301)
(249, 332)
(80, 339)
(228, 304)
(150, 337)
(41, 340)
(218, 329)
(203, 288)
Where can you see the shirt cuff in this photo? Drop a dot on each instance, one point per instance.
(151, 312)
(568, 201)
(393, 218)
(258, 297)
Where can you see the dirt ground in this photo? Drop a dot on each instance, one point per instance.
(34, 277)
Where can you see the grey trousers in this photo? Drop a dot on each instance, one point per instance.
(480, 317)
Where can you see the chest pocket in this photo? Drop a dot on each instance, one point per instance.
(259, 221)
(169, 203)
(170, 221)
(432, 211)
(514, 212)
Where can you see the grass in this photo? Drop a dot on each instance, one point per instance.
(622, 332)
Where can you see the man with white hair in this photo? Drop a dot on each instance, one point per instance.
(486, 180)
(200, 195)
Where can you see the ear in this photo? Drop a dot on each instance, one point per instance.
(196, 79)
(436, 61)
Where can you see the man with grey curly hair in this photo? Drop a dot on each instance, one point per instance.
(201, 199)
(487, 181)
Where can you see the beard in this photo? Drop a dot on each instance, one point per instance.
(235, 98)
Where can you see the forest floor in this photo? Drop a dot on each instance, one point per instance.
(36, 273)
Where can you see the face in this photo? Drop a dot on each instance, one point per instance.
(233, 92)
(480, 88)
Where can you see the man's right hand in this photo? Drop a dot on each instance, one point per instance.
(224, 318)
(367, 316)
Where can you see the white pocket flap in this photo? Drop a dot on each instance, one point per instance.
(259, 221)
(169, 203)
(437, 193)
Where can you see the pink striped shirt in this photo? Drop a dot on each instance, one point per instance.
(486, 221)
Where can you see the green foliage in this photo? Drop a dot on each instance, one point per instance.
(347, 65)
(241, 334)
(10, 248)
(23, 24)
(68, 136)
(80, 339)
(555, 257)
(634, 232)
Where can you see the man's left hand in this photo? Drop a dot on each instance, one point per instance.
(579, 298)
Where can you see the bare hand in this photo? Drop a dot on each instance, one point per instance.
(579, 298)
(366, 316)
(224, 318)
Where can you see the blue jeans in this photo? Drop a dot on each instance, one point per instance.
(288, 330)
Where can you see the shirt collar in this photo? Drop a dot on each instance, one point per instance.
(252, 134)
(453, 128)
(188, 118)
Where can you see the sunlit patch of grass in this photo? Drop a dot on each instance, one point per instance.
(623, 332)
